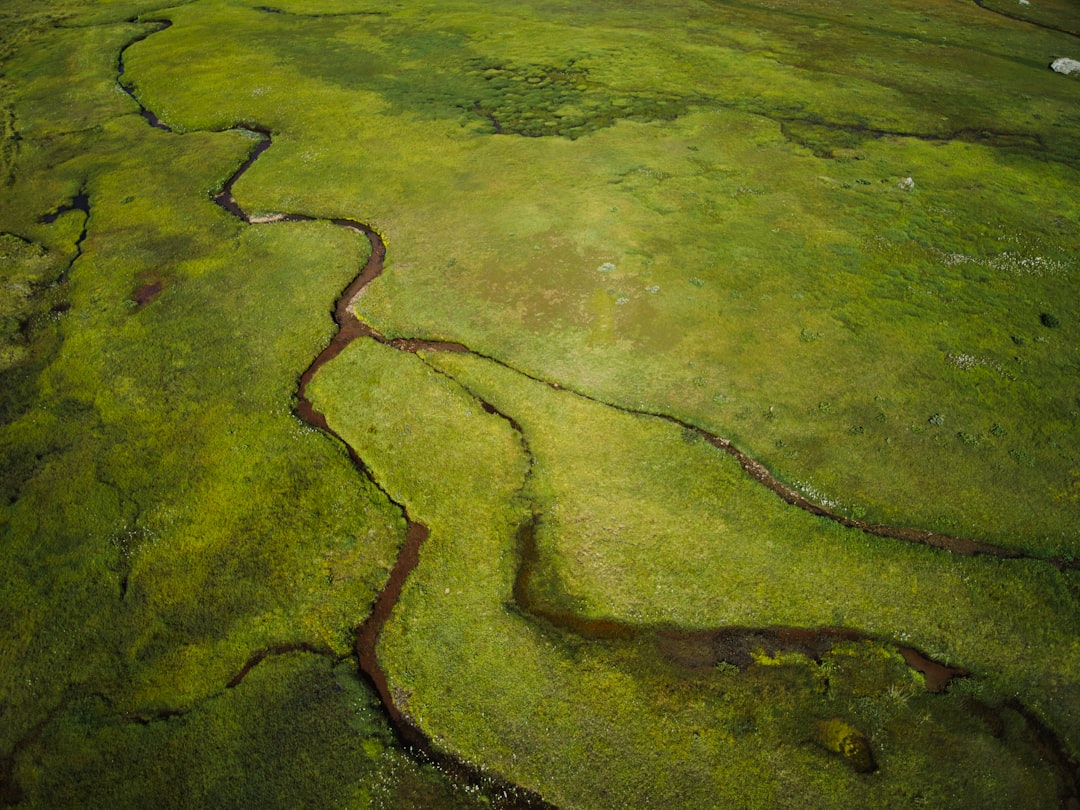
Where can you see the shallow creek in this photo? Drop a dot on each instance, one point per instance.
(730, 644)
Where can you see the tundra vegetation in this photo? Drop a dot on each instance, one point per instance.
(647, 266)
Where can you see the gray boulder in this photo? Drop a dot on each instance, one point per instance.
(1066, 66)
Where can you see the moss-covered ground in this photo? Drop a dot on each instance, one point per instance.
(843, 238)
(662, 715)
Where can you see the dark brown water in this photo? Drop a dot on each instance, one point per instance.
(689, 648)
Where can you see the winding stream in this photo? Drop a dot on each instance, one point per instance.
(1020, 18)
(731, 644)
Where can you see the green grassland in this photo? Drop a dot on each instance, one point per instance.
(664, 725)
(843, 238)
(780, 226)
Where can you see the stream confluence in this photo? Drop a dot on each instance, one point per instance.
(733, 643)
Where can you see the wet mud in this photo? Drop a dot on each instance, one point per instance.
(147, 293)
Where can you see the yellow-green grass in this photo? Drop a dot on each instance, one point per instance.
(717, 225)
(165, 515)
(658, 725)
(1056, 15)
(775, 279)
(643, 522)
(297, 731)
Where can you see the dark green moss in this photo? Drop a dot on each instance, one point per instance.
(299, 730)
(851, 744)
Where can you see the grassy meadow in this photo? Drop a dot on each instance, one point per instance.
(843, 238)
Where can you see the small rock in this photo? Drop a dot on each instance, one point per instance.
(851, 744)
(1065, 66)
(907, 184)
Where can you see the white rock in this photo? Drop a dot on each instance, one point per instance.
(1066, 66)
(907, 184)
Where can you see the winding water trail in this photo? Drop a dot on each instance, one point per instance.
(349, 328)
(730, 643)
(80, 202)
(1027, 20)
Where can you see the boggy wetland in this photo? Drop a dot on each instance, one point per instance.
(540, 404)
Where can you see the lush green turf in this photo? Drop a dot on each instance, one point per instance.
(660, 723)
(842, 237)
(773, 213)
(165, 517)
(297, 731)
(642, 522)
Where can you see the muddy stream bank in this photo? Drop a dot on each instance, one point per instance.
(729, 644)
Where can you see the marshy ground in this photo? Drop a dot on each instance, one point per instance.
(539, 404)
